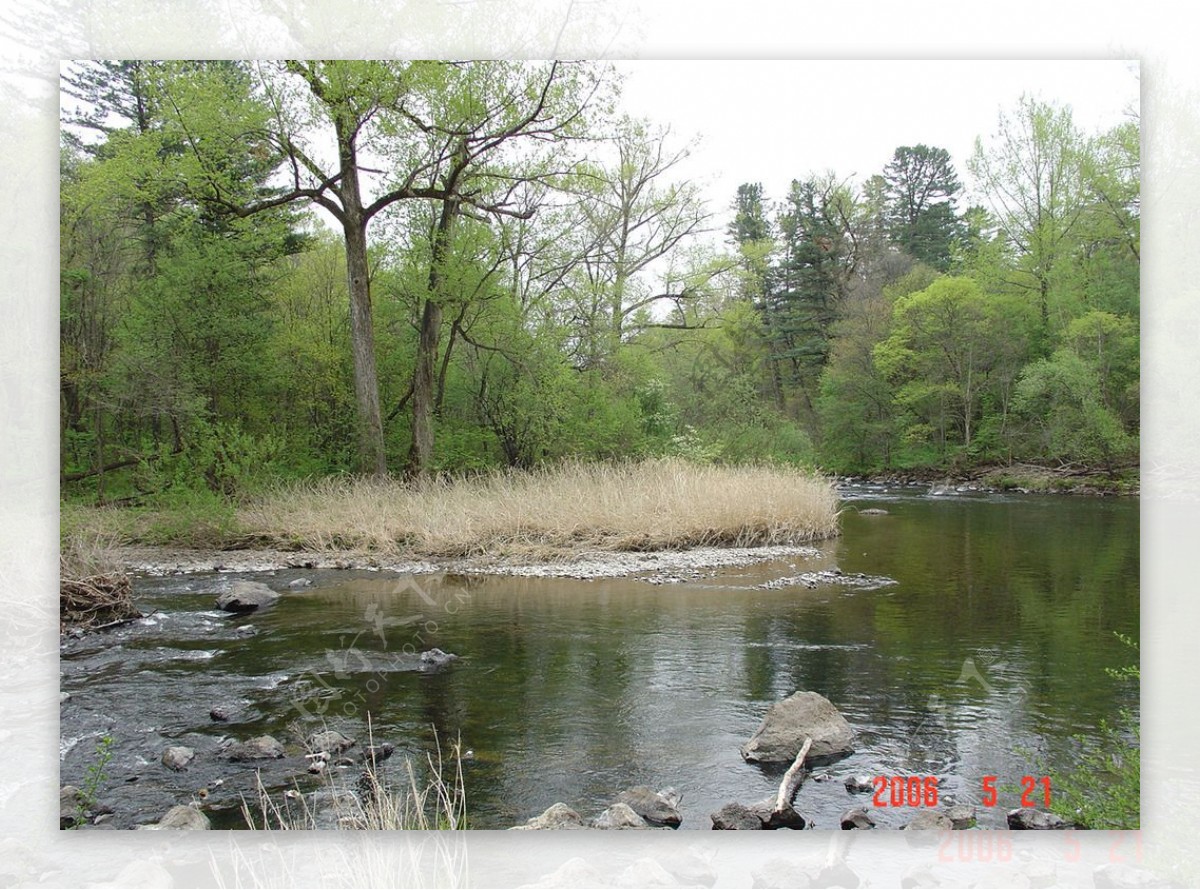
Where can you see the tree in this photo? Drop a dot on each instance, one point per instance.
(638, 217)
(1031, 174)
(950, 344)
(487, 130)
(817, 258)
(920, 188)
(427, 125)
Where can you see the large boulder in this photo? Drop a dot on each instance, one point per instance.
(656, 807)
(557, 817)
(246, 596)
(261, 748)
(789, 722)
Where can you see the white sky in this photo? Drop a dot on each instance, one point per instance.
(774, 121)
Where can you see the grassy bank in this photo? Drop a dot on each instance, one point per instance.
(558, 511)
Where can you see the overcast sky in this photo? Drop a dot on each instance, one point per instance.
(774, 121)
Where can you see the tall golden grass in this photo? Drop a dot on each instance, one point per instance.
(650, 505)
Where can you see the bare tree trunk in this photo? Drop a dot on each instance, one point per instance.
(372, 458)
(420, 457)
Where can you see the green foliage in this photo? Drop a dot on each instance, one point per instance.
(95, 779)
(205, 352)
(1103, 792)
(1061, 400)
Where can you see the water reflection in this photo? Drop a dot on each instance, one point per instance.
(986, 657)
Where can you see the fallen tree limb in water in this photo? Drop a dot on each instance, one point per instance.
(792, 780)
(95, 602)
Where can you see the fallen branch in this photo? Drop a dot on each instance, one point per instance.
(792, 780)
(99, 600)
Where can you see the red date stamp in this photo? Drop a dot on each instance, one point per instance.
(1029, 791)
(905, 791)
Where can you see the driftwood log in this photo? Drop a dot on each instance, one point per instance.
(792, 780)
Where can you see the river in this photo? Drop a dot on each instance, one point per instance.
(986, 655)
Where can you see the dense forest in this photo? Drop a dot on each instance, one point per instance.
(299, 269)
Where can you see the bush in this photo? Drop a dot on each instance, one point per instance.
(1103, 791)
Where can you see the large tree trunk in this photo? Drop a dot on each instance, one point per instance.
(372, 458)
(420, 456)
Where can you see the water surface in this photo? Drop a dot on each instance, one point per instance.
(986, 657)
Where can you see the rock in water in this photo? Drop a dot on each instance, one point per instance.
(857, 818)
(736, 817)
(177, 757)
(261, 748)
(1029, 819)
(656, 807)
(619, 816)
(330, 741)
(929, 820)
(246, 596)
(181, 818)
(789, 722)
(558, 816)
(70, 805)
(436, 658)
(962, 816)
(860, 784)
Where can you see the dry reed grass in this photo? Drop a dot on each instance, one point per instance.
(94, 590)
(652, 505)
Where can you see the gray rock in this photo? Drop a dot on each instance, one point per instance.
(436, 658)
(873, 511)
(220, 713)
(556, 818)
(656, 807)
(787, 724)
(736, 817)
(619, 816)
(961, 816)
(1029, 819)
(181, 818)
(70, 805)
(858, 818)
(374, 754)
(246, 596)
(261, 748)
(298, 583)
(929, 820)
(756, 817)
(860, 784)
(177, 757)
(330, 741)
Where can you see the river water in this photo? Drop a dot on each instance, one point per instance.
(986, 656)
